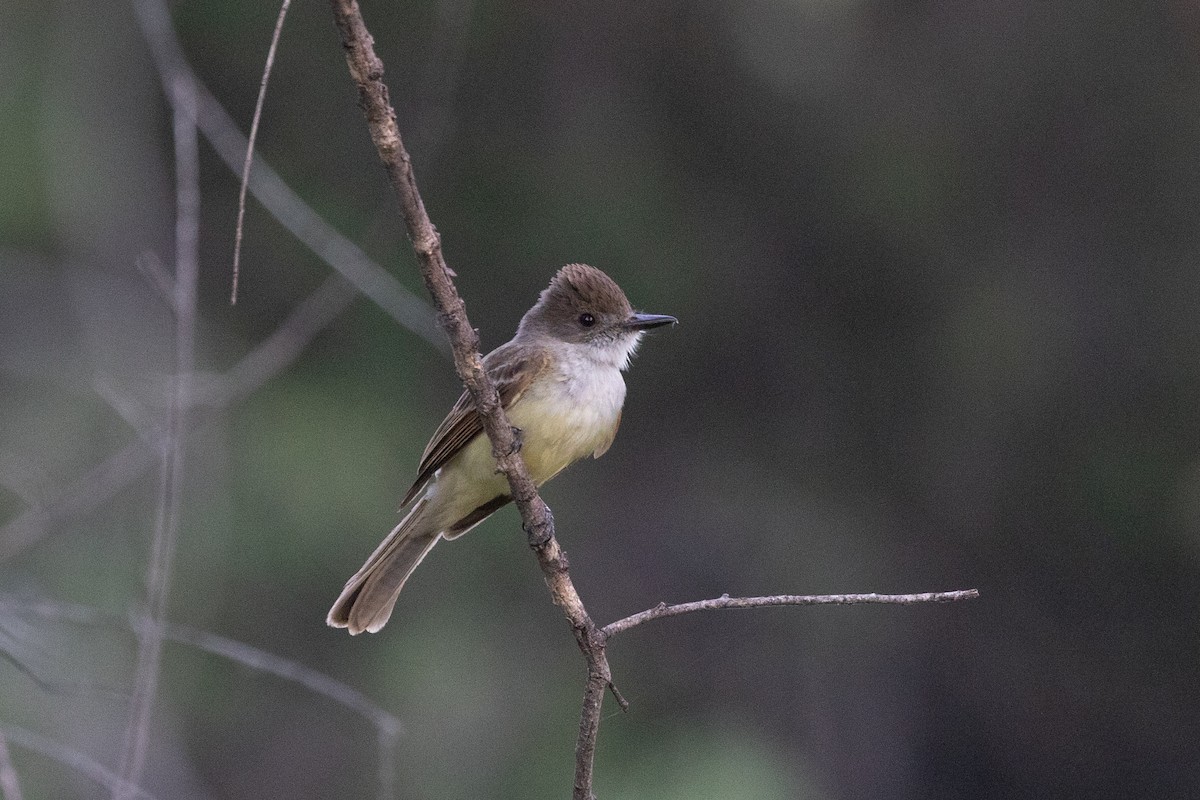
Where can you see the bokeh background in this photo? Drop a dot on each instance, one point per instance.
(936, 271)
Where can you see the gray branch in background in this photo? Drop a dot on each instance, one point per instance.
(263, 661)
(387, 725)
(101, 484)
(230, 649)
(218, 127)
(194, 105)
(10, 784)
(375, 282)
(69, 757)
(170, 503)
(94, 488)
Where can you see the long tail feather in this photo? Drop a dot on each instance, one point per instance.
(370, 595)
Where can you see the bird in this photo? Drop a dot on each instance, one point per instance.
(560, 383)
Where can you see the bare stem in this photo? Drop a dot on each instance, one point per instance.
(725, 601)
(589, 730)
(258, 107)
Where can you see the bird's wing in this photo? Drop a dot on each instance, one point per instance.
(512, 369)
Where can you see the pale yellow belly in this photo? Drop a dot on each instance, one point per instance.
(553, 436)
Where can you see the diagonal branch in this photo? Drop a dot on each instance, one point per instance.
(80, 762)
(309, 227)
(367, 71)
(286, 669)
(103, 482)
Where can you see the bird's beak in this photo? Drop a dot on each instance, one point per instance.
(644, 322)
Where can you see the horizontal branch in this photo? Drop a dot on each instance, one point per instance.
(725, 601)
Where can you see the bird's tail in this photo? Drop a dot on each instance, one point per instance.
(370, 595)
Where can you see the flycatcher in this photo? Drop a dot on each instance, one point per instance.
(559, 381)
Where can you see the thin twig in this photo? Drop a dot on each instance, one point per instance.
(218, 127)
(258, 107)
(288, 670)
(310, 229)
(725, 601)
(187, 268)
(10, 785)
(80, 762)
(388, 727)
(367, 71)
(279, 350)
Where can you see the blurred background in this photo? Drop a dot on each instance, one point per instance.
(936, 271)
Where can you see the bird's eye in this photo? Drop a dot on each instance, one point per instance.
(587, 320)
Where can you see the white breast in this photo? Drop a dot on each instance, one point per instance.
(595, 383)
(568, 416)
